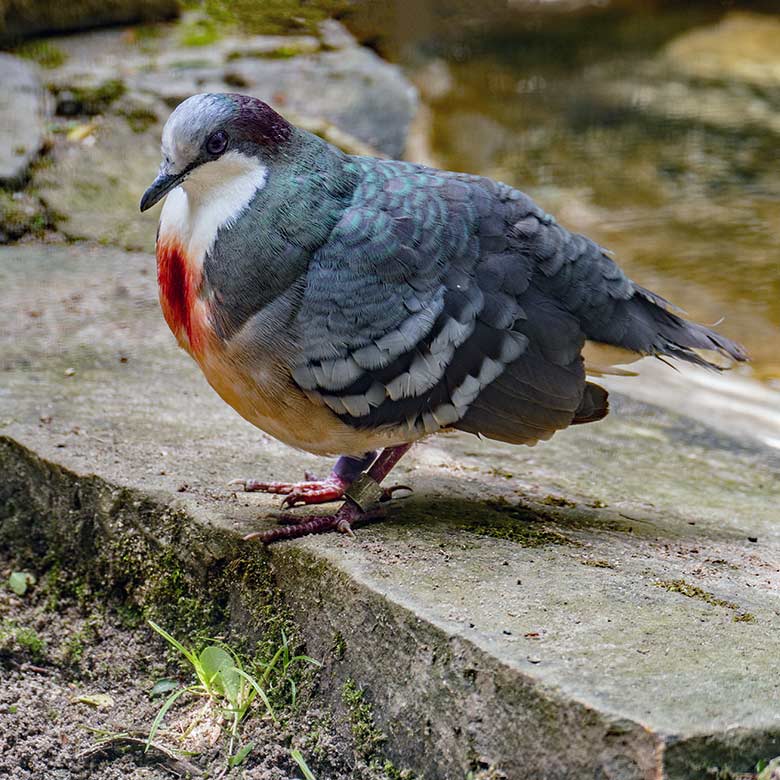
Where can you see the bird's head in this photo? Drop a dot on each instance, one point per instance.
(210, 137)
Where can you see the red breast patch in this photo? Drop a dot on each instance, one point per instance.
(178, 291)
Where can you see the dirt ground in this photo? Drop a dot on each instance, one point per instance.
(54, 654)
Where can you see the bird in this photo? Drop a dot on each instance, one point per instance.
(350, 305)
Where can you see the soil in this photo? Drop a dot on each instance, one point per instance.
(54, 653)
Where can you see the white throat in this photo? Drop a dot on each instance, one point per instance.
(213, 196)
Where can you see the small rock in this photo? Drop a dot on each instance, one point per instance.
(334, 35)
(20, 214)
(22, 108)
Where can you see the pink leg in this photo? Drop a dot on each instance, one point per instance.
(313, 490)
(348, 513)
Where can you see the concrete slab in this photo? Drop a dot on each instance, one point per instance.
(603, 605)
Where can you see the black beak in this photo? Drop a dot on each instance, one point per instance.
(161, 186)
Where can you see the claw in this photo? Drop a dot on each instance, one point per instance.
(343, 526)
(289, 501)
(293, 526)
(387, 495)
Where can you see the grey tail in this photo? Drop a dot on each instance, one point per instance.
(594, 405)
(654, 329)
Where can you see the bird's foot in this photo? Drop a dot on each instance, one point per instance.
(361, 489)
(311, 491)
(293, 526)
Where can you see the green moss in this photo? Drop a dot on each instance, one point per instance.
(598, 564)
(527, 536)
(146, 37)
(139, 119)
(744, 617)
(73, 648)
(44, 53)
(367, 736)
(339, 646)
(21, 214)
(274, 17)
(694, 592)
(558, 501)
(16, 639)
(392, 772)
(199, 31)
(88, 100)
(516, 523)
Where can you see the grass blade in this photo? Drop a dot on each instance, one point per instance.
(167, 704)
(188, 654)
(297, 756)
(259, 691)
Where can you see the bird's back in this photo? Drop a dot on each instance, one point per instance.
(407, 300)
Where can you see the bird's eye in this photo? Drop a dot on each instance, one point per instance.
(217, 142)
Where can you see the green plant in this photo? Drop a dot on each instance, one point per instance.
(20, 581)
(279, 672)
(222, 679)
(302, 765)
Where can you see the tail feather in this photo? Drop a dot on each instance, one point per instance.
(656, 330)
(593, 406)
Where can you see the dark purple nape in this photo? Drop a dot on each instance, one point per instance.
(258, 122)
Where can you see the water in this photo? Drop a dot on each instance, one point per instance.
(679, 176)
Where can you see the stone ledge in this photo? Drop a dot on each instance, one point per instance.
(591, 607)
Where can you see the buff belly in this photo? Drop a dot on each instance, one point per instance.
(269, 400)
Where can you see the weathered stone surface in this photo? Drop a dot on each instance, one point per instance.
(23, 18)
(350, 86)
(348, 96)
(95, 182)
(603, 605)
(22, 115)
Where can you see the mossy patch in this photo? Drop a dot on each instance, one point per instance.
(87, 99)
(368, 738)
(525, 535)
(516, 523)
(21, 213)
(20, 640)
(695, 592)
(339, 647)
(596, 563)
(199, 31)
(140, 119)
(42, 52)
(273, 17)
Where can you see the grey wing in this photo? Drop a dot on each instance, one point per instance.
(421, 312)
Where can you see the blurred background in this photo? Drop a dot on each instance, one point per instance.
(652, 126)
